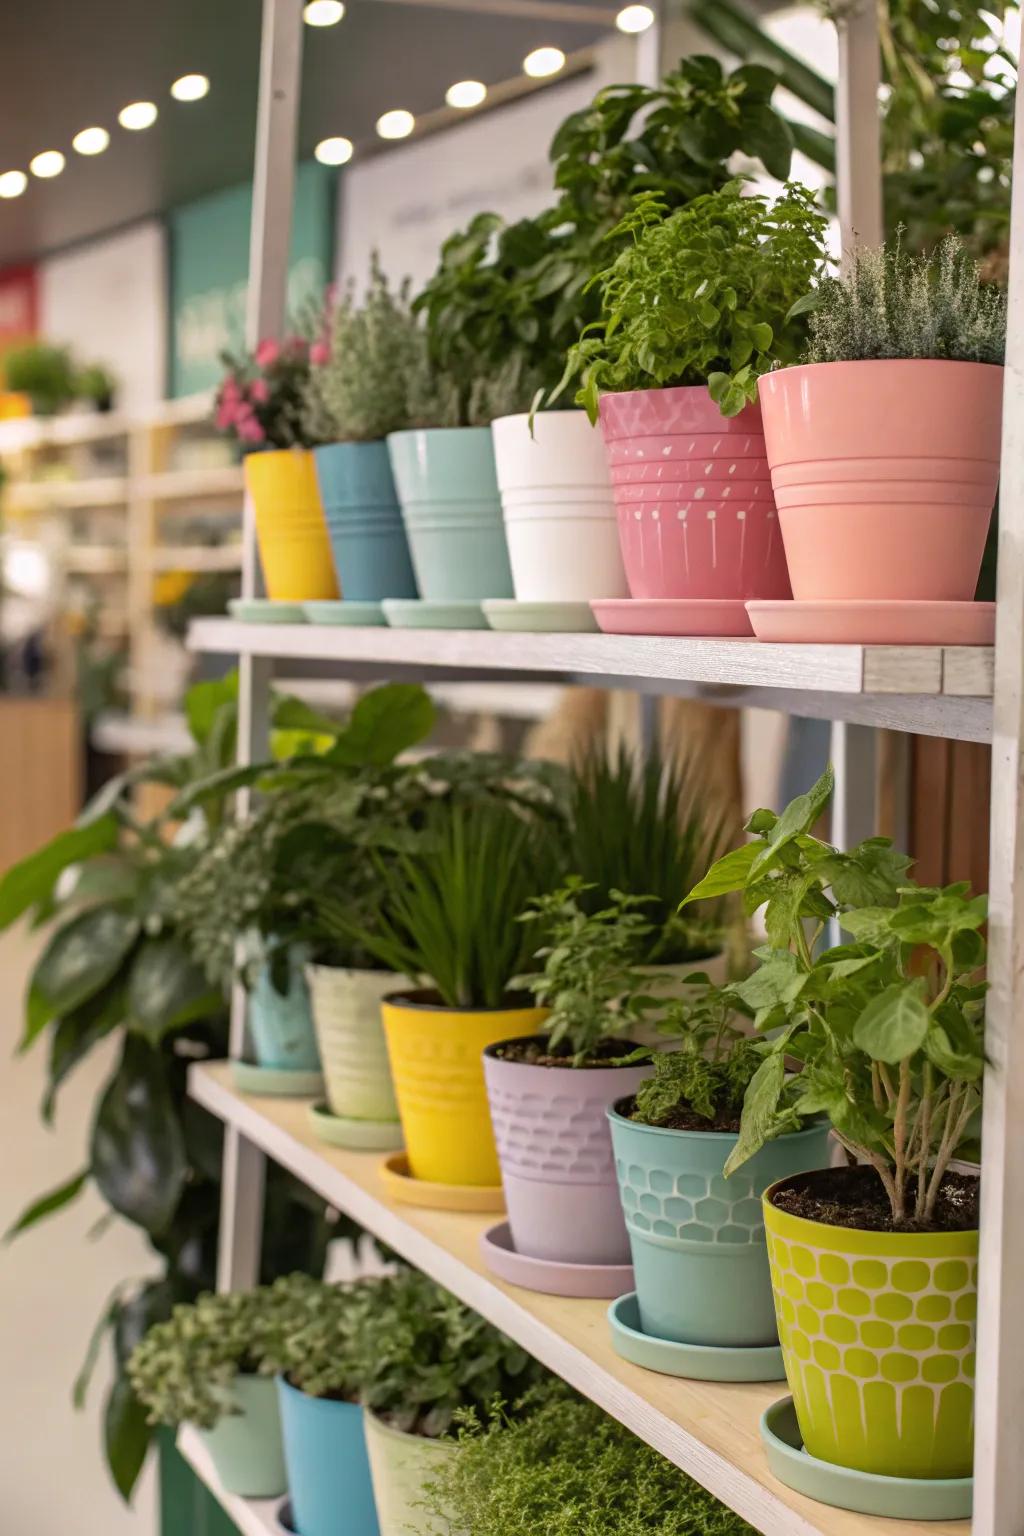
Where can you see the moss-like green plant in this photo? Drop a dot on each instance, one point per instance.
(183, 1370)
(896, 305)
(564, 1468)
(310, 1334)
(359, 382)
(709, 1067)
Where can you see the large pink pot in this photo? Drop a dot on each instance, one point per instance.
(693, 496)
(885, 475)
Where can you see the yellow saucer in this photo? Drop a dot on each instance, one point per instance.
(401, 1185)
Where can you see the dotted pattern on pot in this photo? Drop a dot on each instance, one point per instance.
(433, 1074)
(690, 1207)
(563, 1137)
(880, 1356)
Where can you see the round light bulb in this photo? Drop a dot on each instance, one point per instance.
(635, 18)
(91, 141)
(323, 13)
(466, 93)
(13, 183)
(190, 88)
(337, 151)
(542, 62)
(138, 115)
(49, 163)
(396, 125)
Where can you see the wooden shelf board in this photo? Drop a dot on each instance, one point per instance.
(196, 557)
(96, 491)
(191, 484)
(253, 1517)
(708, 1429)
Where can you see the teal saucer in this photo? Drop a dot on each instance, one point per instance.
(419, 613)
(344, 611)
(278, 1082)
(867, 1493)
(698, 1362)
(263, 610)
(355, 1135)
(539, 618)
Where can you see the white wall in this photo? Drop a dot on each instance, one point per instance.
(107, 301)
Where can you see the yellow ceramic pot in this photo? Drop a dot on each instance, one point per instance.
(294, 548)
(437, 1064)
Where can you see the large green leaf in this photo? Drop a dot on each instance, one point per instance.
(46, 1205)
(126, 1436)
(74, 1037)
(81, 958)
(798, 817)
(204, 703)
(385, 722)
(730, 873)
(138, 1153)
(894, 1024)
(760, 1110)
(33, 879)
(167, 989)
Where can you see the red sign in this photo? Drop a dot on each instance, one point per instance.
(19, 305)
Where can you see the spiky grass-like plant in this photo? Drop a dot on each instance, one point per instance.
(893, 304)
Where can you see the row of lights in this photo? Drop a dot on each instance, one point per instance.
(136, 116)
(464, 94)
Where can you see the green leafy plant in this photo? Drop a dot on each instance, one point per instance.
(424, 1356)
(642, 825)
(887, 1029)
(310, 1334)
(96, 384)
(709, 295)
(450, 906)
(896, 305)
(184, 1369)
(43, 372)
(706, 1073)
(358, 387)
(564, 1468)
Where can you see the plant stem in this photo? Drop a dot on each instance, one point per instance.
(900, 1136)
(880, 1166)
(924, 1118)
(961, 1107)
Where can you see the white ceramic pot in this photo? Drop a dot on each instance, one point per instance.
(558, 507)
(400, 1465)
(346, 1014)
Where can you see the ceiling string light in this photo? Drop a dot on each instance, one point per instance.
(138, 115)
(397, 124)
(323, 13)
(49, 163)
(543, 62)
(191, 88)
(336, 151)
(12, 183)
(635, 18)
(465, 94)
(91, 141)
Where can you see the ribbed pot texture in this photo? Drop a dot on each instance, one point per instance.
(364, 521)
(350, 1034)
(557, 1168)
(328, 1469)
(885, 475)
(401, 1466)
(558, 507)
(696, 514)
(294, 548)
(448, 490)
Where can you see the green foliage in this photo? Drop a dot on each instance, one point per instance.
(710, 1064)
(310, 1334)
(97, 385)
(184, 1369)
(43, 372)
(423, 1356)
(590, 980)
(360, 391)
(564, 1468)
(704, 295)
(642, 825)
(896, 305)
(888, 1029)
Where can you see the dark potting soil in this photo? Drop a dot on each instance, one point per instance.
(855, 1197)
(535, 1053)
(683, 1118)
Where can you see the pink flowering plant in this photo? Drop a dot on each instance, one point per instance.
(261, 400)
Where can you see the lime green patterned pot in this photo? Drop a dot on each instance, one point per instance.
(877, 1333)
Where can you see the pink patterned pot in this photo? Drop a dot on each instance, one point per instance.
(693, 496)
(885, 475)
(555, 1150)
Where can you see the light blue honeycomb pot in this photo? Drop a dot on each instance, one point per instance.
(697, 1238)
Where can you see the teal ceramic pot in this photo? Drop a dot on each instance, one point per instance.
(364, 521)
(448, 487)
(697, 1238)
(281, 1023)
(328, 1468)
(246, 1447)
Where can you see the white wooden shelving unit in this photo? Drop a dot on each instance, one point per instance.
(710, 1430)
(253, 1517)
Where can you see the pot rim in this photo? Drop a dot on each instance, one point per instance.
(876, 362)
(812, 1225)
(421, 1000)
(432, 432)
(608, 1066)
(404, 1434)
(315, 967)
(614, 1113)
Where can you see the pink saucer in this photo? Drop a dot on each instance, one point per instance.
(861, 621)
(697, 616)
(548, 1275)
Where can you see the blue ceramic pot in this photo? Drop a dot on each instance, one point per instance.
(328, 1468)
(281, 1023)
(697, 1238)
(364, 521)
(448, 487)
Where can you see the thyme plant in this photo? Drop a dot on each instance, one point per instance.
(358, 387)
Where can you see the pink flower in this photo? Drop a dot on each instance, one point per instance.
(294, 346)
(319, 354)
(267, 353)
(259, 391)
(229, 389)
(225, 415)
(250, 431)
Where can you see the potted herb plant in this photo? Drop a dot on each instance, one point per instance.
(563, 1466)
(889, 429)
(201, 1367)
(549, 1092)
(358, 394)
(874, 1266)
(261, 404)
(425, 1359)
(693, 310)
(44, 373)
(311, 1347)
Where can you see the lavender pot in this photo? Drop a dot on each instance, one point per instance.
(555, 1150)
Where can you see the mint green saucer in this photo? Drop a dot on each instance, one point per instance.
(697, 1362)
(419, 613)
(344, 611)
(539, 618)
(356, 1135)
(277, 1082)
(263, 610)
(868, 1493)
